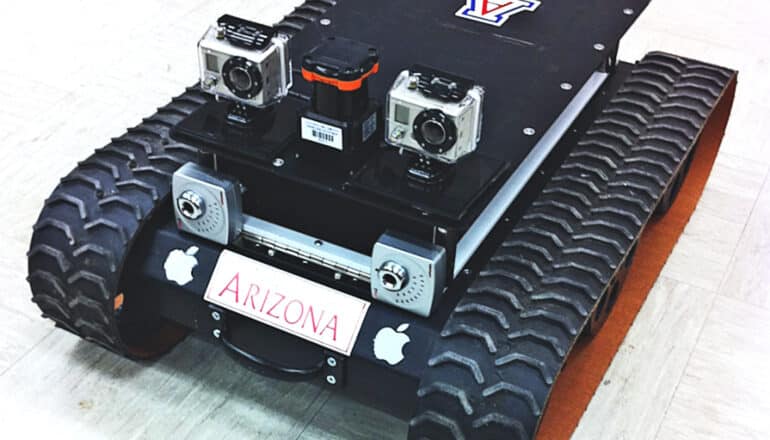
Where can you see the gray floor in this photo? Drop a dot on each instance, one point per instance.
(693, 366)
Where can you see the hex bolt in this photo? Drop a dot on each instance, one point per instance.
(337, 276)
(628, 11)
(331, 380)
(216, 316)
(278, 162)
(566, 86)
(325, 22)
(331, 362)
(599, 46)
(529, 131)
(217, 333)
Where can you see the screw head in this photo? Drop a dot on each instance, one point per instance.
(331, 380)
(331, 362)
(566, 86)
(599, 46)
(216, 316)
(628, 11)
(278, 162)
(529, 131)
(271, 252)
(217, 333)
(337, 276)
(325, 22)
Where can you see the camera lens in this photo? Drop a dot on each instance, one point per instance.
(434, 131)
(242, 77)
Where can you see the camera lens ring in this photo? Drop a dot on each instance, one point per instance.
(242, 77)
(434, 131)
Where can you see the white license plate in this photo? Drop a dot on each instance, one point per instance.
(306, 309)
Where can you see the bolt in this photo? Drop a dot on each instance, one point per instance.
(467, 272)
(566, 86)
(209, 82)
(599, 46)
(331, 380)
(318, 243)
(325, 22)
(217, 333)
(529, 131)
(628, 11)
(216, 316)
(337, 276)
(278, 162)
(271, 252)
(331, 362)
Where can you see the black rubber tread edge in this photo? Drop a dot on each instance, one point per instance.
(303, 15)
(491, 373)
(88, 225)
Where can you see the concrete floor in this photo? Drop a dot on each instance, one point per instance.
(75, 73)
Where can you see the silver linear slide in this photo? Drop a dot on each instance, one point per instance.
(307, 248)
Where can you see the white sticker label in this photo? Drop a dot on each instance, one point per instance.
(321, 133)
(495, 13)
(290, 303)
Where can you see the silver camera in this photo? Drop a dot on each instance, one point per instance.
(435, 114)
(245, 62)
(408, 274)
(207, 204)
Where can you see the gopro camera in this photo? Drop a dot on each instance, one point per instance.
(435, 114)
(245, 62)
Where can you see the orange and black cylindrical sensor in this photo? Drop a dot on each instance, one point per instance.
(339, 69)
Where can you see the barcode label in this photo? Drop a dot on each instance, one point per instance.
(321, 133)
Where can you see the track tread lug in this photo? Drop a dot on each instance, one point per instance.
(80, 242)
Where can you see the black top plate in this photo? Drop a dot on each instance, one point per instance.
(521, 64)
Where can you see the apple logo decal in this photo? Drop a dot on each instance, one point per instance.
(389, 344)
(180, 264)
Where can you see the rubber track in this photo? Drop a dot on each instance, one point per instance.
(89, 223)
(303, 15)
(491, 373)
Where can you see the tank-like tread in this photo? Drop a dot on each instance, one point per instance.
(88, 225)
(305, 14)
(491, 372)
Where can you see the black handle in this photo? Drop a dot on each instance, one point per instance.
(266, 367)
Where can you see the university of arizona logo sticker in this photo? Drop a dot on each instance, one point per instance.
(497, 12)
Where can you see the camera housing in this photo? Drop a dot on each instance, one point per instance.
(435, 114)
(245, 62)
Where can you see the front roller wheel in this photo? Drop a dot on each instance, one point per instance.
(88, 227)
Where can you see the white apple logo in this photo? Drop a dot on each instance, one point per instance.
(389, 344)
(180, 264)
